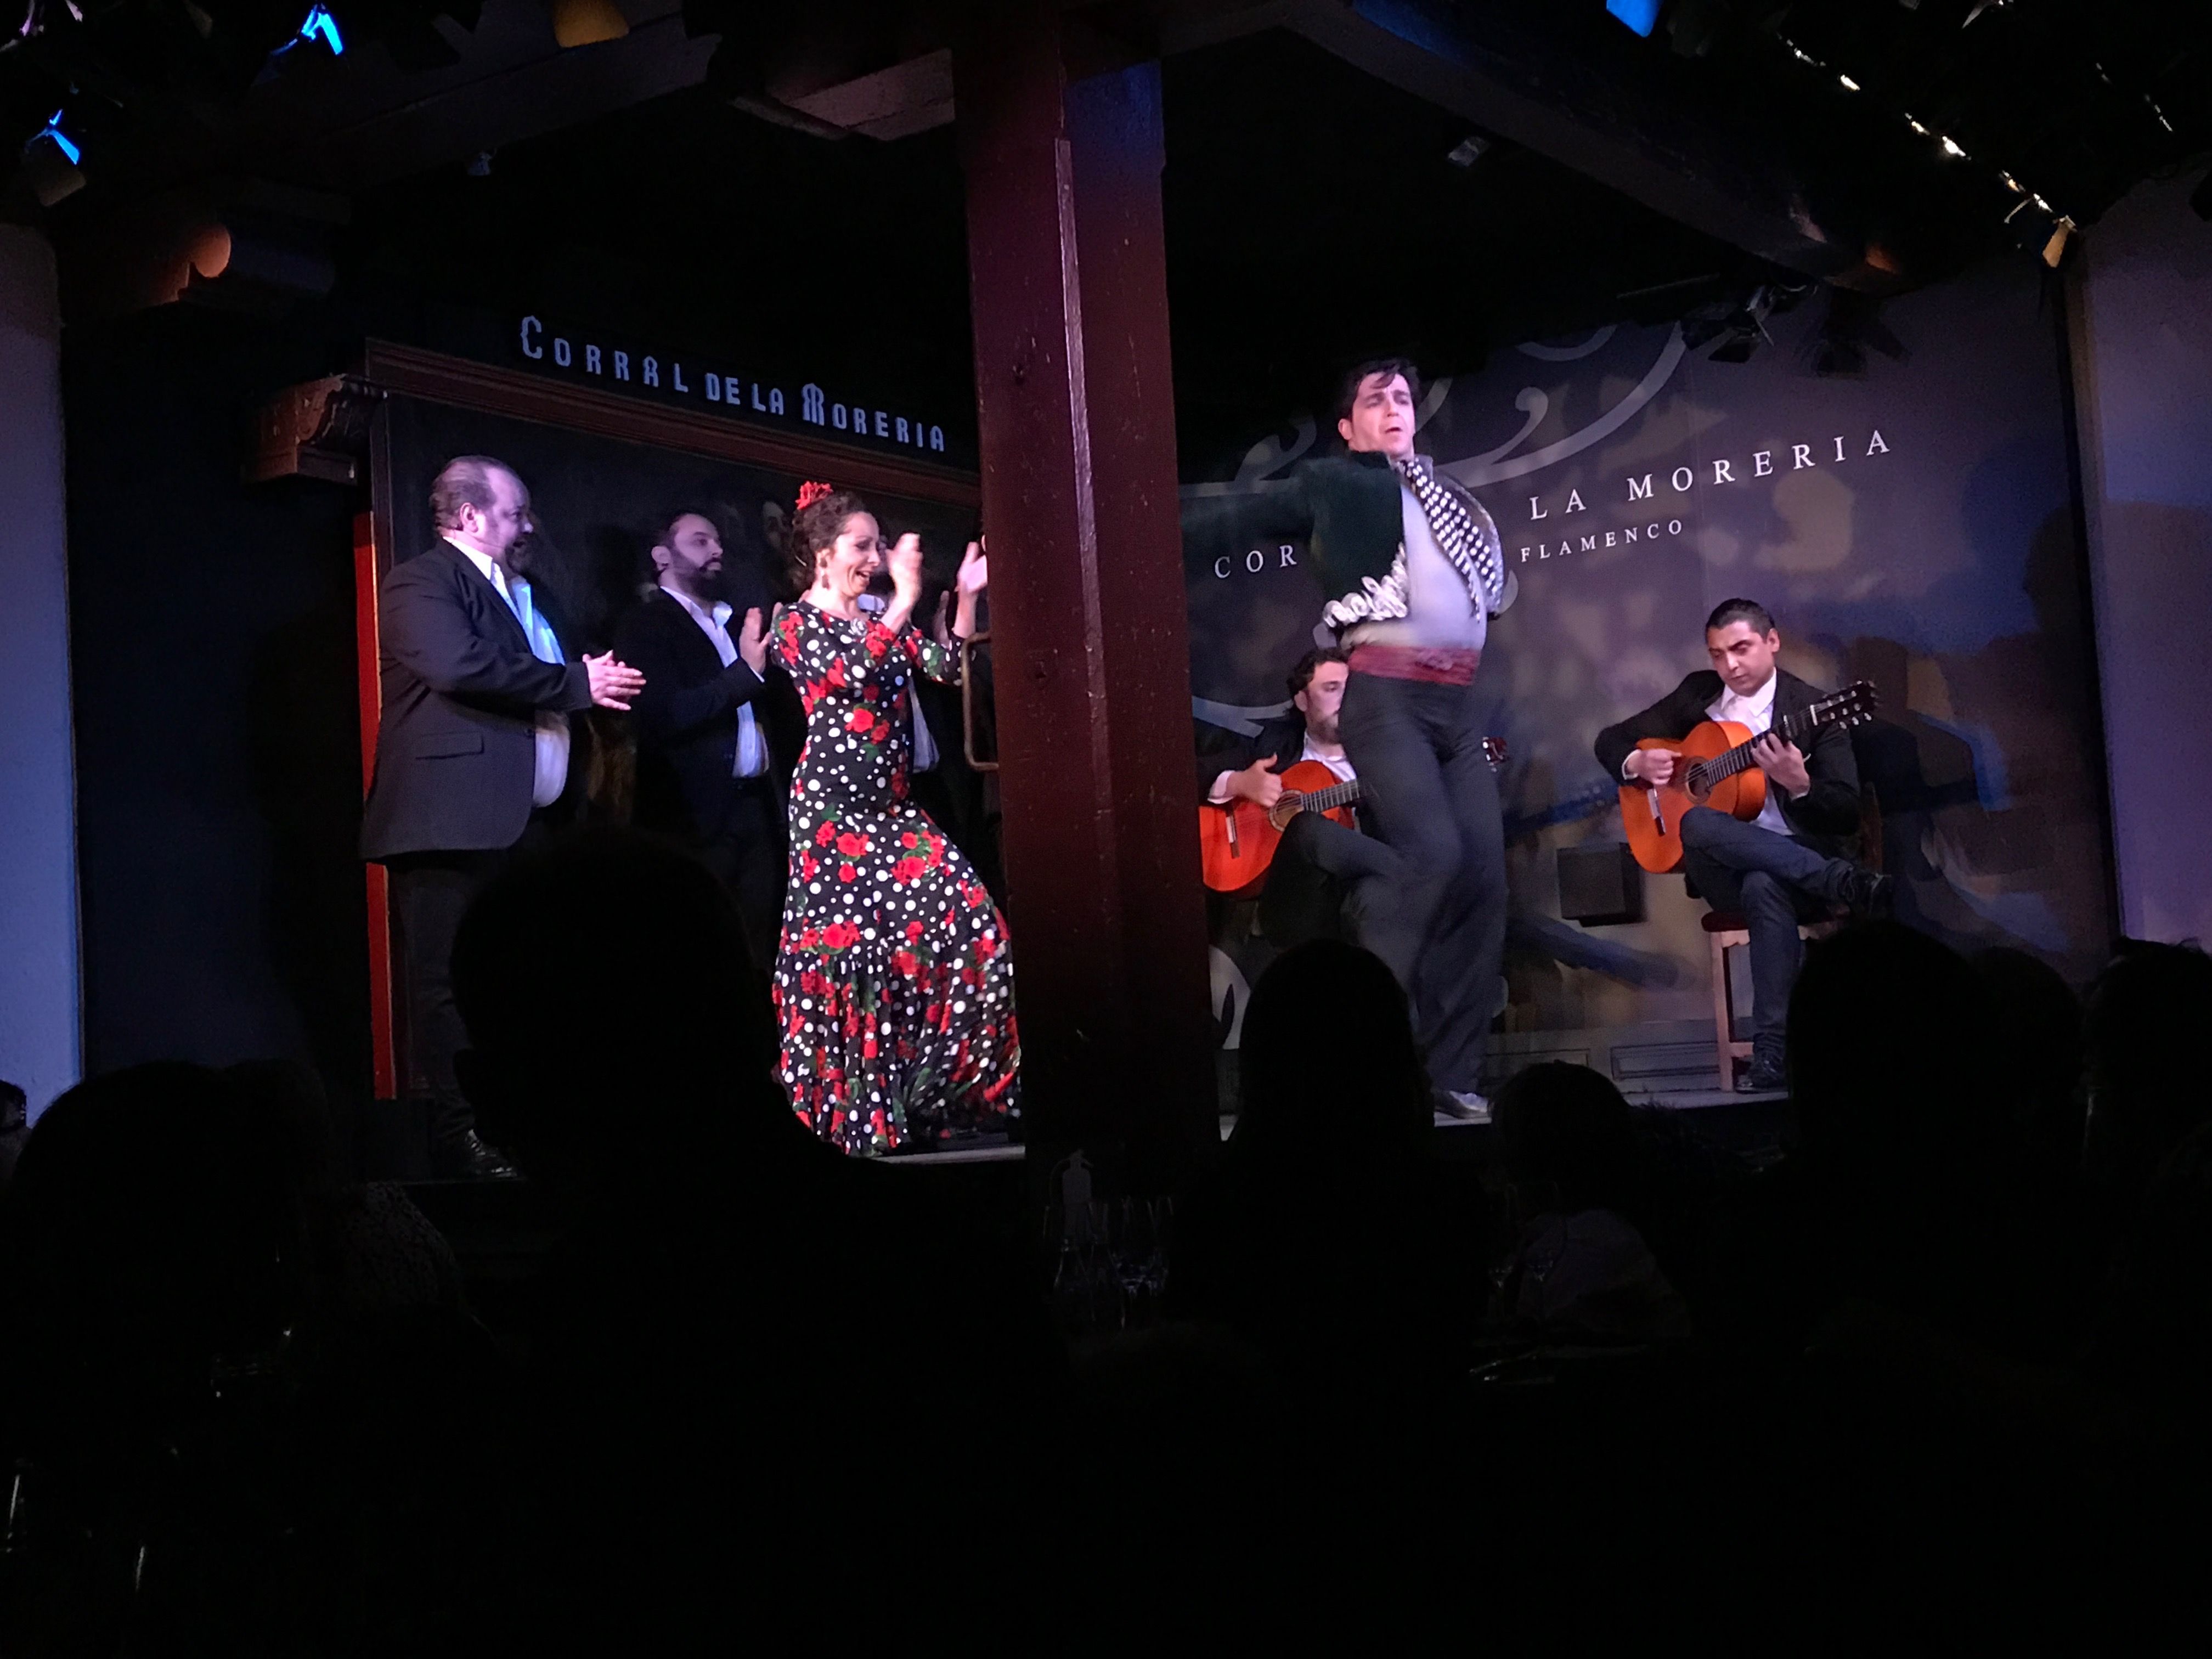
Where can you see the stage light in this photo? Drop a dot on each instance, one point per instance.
(321, 25)
(50, 162)
(1642, 16)
(587, 22)
(1950, 148)
(1850, 85)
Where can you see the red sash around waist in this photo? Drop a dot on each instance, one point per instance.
(1439, 666)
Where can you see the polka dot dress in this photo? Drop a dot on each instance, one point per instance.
(894, 986)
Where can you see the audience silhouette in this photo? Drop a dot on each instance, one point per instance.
(1944, 1357)
(748, 1357)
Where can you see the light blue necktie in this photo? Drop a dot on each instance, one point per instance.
(535, 627)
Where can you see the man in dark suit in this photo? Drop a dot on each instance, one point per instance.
(1326, 881)
(706, 775)
(473, 752)
(1787, 867)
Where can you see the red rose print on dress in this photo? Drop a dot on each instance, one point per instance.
(900, 1036)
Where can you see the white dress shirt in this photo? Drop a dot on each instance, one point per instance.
(1756, 711)
(1340, 762)
(752, 752)
(1439, 613)
(550, 774)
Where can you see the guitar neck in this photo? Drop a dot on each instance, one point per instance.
(1325, 800)
(1789, 729)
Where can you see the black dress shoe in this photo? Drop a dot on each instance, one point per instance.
(470, 1159)
(1761, 1077)
(1868, 893)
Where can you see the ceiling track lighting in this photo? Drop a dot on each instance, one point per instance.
(2064, 227)
(50, 162)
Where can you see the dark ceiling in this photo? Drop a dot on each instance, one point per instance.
(1313, 215)
(1314, 218)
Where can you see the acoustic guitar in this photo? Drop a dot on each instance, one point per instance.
(1236, 841)
(1718, 771)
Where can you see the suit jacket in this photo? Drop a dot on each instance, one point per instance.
(686, 717)
(1827, 818)
(1349, 509)
(1280, 741)
(456, 750)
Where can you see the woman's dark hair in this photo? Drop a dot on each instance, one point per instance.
(815, 527)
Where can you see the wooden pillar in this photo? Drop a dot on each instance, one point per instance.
(1062, 142)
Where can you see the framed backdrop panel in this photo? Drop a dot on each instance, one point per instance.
(604, 475)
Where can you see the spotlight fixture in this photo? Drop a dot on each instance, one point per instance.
(1737, 326)
(321, 26)
(587, 22)
(1469, 150)
(1642, 16)
(50, 162)
(1850, 85)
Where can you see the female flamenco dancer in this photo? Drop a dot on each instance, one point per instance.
(894, 986)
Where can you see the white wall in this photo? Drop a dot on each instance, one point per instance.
(2142, 320)
(39, 1027)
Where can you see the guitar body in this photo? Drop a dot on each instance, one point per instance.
(1653, 817)
(1237, 842)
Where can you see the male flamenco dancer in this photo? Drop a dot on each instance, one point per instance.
(1787, 865)
(1413, 573)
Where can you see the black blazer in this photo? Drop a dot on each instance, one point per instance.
(686, 717)
(1280, 740)
(456, 748)
(1827, 817)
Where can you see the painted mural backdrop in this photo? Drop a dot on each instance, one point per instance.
(1913, 526)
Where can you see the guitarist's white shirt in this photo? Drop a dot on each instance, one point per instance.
(1755, 712)
(1340, 762)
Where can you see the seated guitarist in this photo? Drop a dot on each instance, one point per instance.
(1785, 867)
(1326, 880)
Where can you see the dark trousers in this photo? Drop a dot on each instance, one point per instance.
(1426, 789)
(747, 852)
(1775, 883)
(430, 894)
(1330, 882)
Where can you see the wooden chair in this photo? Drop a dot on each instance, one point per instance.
(1725, 928)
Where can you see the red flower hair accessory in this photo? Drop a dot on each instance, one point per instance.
(811, 492)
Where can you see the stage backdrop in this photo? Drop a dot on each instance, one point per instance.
(597, 504)
(1913, 526)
